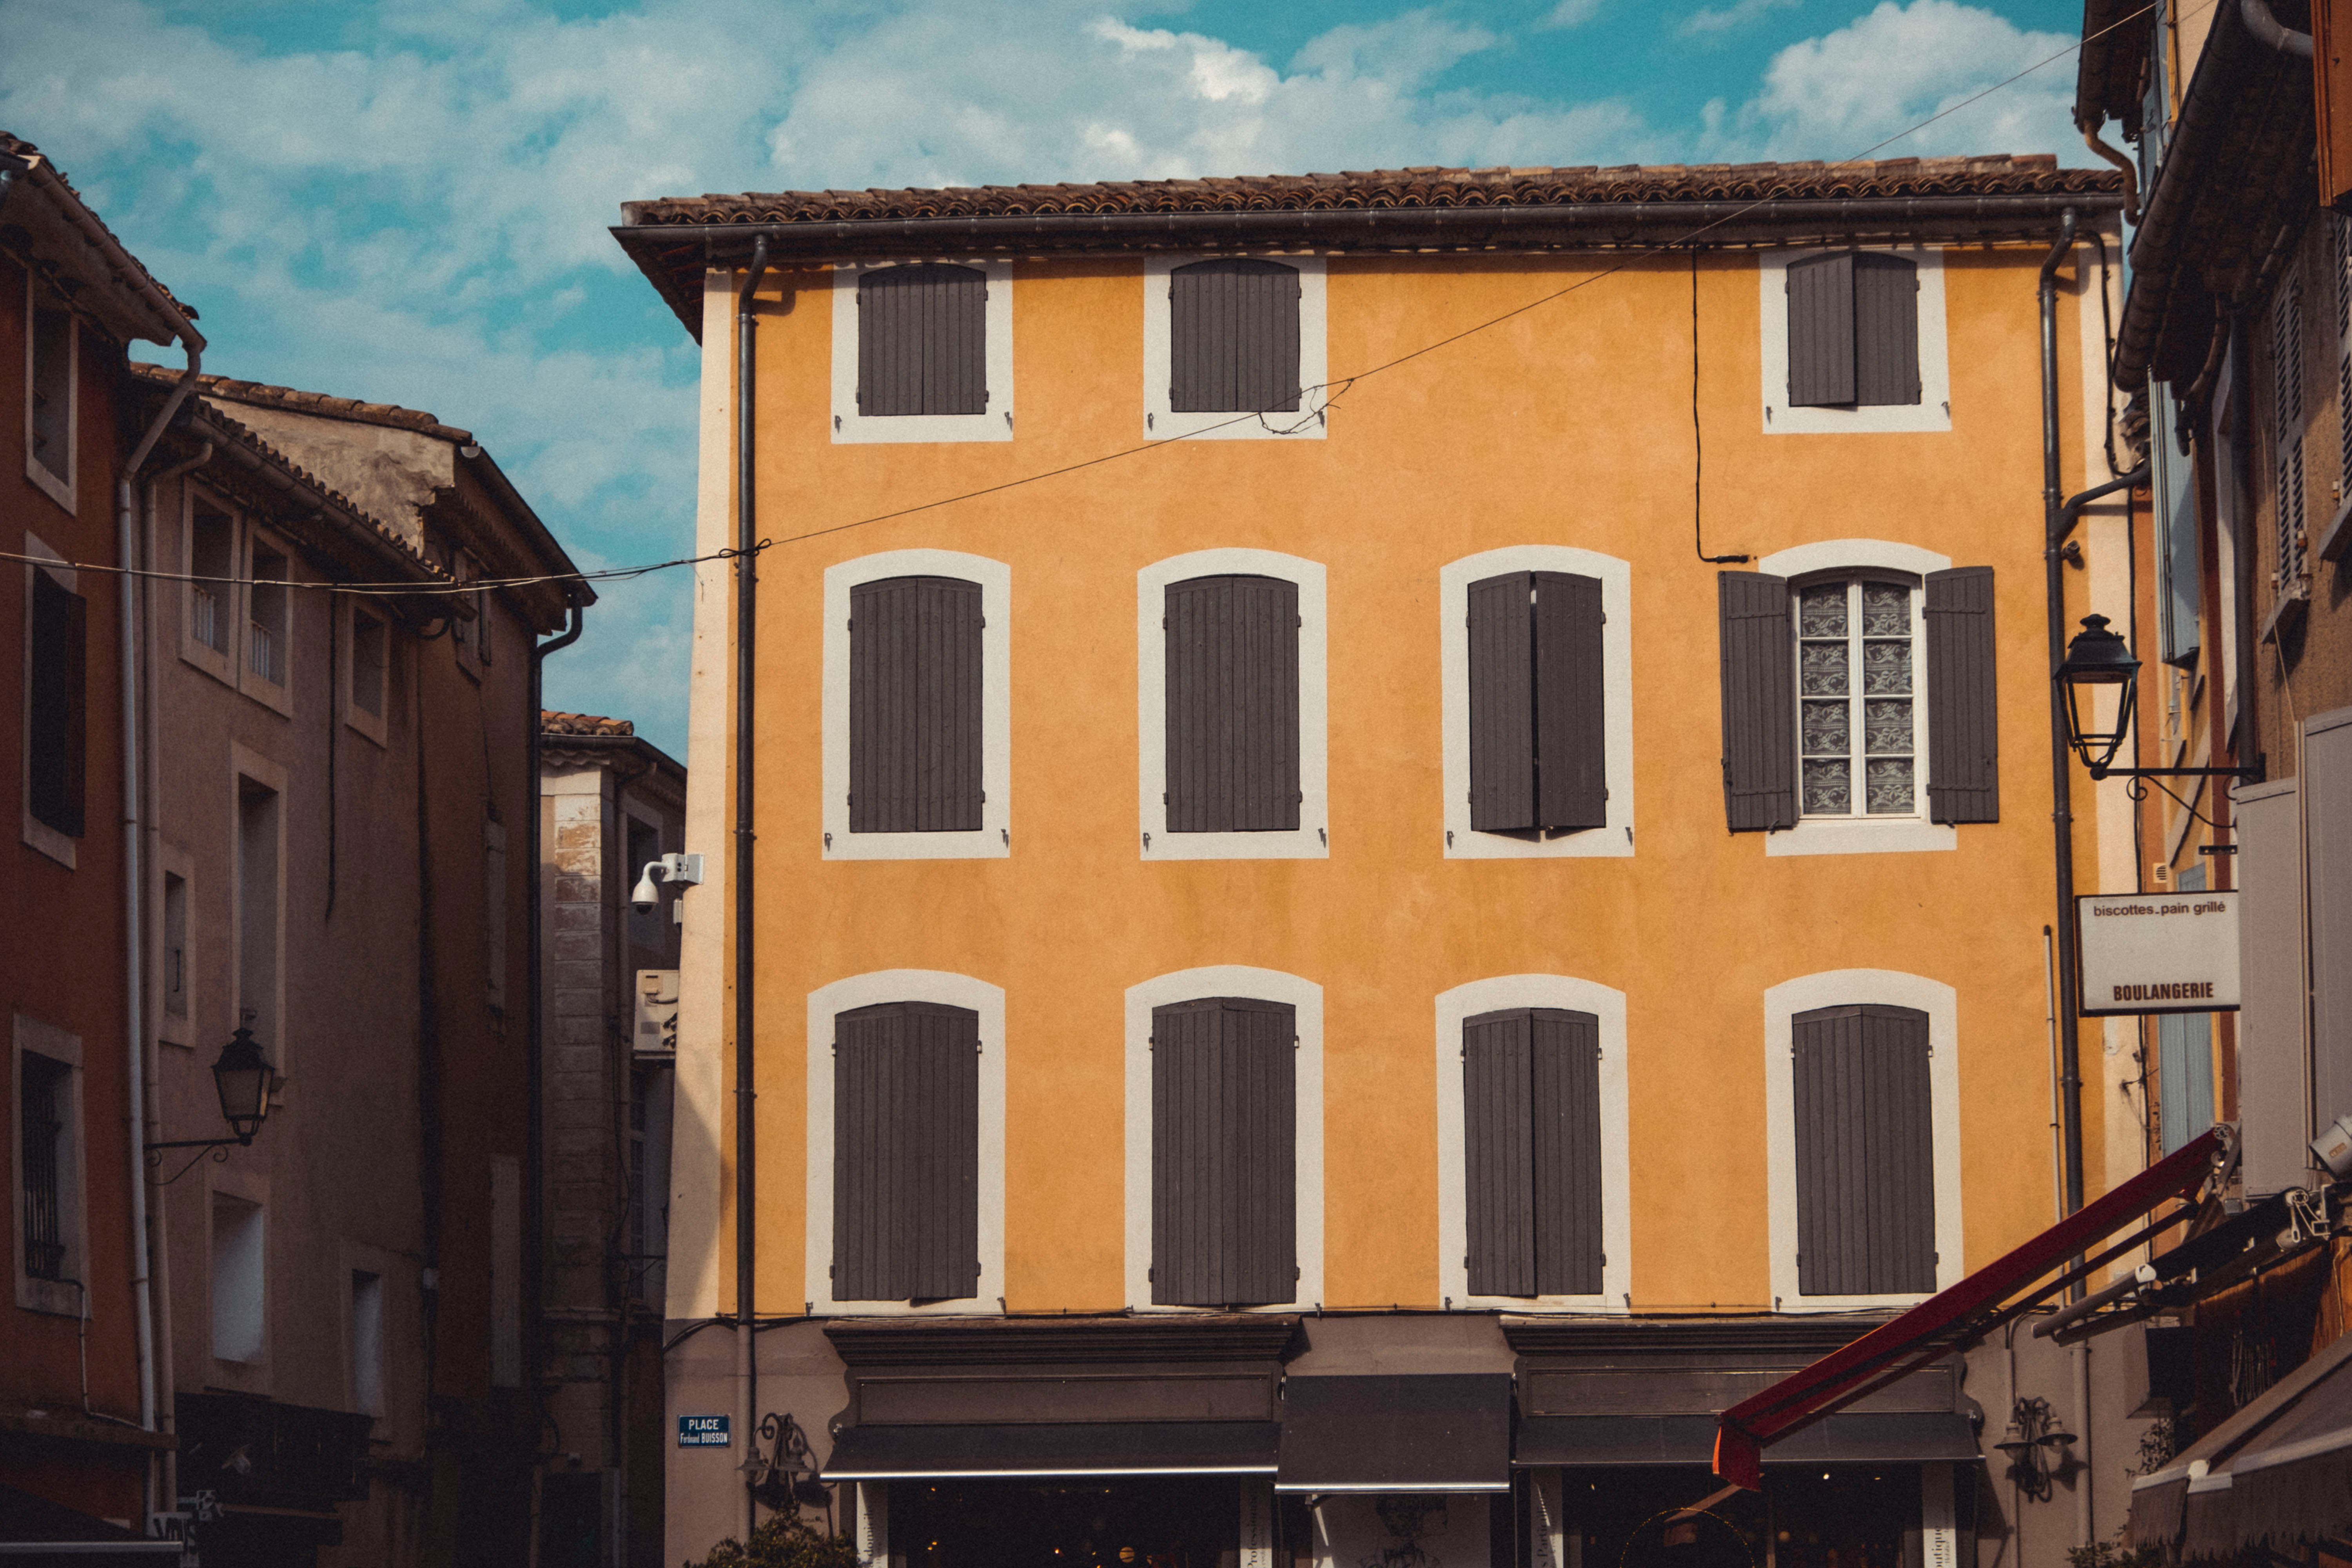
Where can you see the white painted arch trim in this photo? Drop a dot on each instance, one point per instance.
(1163, 424)
(1932, 413)
(1847, 988)
(1614, 837)
(1311, 841)
(1306, 998)
(994, 839)
(826, 1003)
(1606, 1005)
(1852, 556)
(996, 423)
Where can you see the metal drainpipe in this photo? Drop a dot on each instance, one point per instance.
(2062, 815)
(2269, 30)
(747, 578)
(134, 972)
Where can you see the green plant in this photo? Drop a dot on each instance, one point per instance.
(2112, 1554)
(784, 1540)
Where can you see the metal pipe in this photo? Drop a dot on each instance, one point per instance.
(747, 627)
(2054, 522)
(2122, 161)
(2268, 29)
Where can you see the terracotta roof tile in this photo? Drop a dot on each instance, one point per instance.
(554, 723)
(261, 394)
(17, 147)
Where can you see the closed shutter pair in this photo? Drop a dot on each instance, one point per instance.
(906, 1153)
(922, 340)
(1232, 705)
(1866, 1153)
(1757, 653)
(1531, 1145)
(1224, 1153)
(1538, 746)
(1853, 331)
(915, 706)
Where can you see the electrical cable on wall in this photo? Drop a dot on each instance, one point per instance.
(1698, 441)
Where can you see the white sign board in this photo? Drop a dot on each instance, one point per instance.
(2159, 953)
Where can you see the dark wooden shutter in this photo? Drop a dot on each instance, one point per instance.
(1866, 1153)
(57, 700)
(1963, 713)
(1502, 709)
(1232, 341)
(1820, 330)
(1565, 1140)
(906, 1153)
(1232, 717)
(1224, 1153)
(1538, 743)
(922, 340)
(1499, 1182)
(1886, 328)
(1760, 701)
(915, 706)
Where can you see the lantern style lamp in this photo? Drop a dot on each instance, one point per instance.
(2097, 657)
(242, 1078)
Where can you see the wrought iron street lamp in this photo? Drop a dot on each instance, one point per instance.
(241, 1078)
(2097, 659)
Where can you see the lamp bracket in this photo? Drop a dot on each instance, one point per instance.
(2252, 774)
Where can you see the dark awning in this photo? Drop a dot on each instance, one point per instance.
(1874, 1439)
(1053, 1448)
(1434, 1433)
(1957, 1317)
(2278, 1473)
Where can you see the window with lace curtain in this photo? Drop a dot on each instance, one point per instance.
(1858, 719)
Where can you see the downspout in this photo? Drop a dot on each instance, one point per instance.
(134, 972)
(2122, 161)
(2267, 29)
(2062, 816)
(747, 625)
(159, 1255)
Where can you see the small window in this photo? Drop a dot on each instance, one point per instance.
(265, 631)
(56, 703)
(1224, 1152)
(1234, 337)
(922, 340)
(259, 933)
(212, 563)
(45, 1146)
(1864, 1151)
(1858, 728)
(50, 426)
(240, 1324)
(1532, 1142)
(369, 648)
(1232, 705)
(915, 719)
(1537, 745)
(1853, 331)
(367, 1342)
(906, 1153)
(175, 944)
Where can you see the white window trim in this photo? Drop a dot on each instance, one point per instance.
(1310, 841)
(37, 834)
(219, 663)
(374, 726)
(1614, 837)
(1860, 836)
(245, 1186)
(359, 1258)
(993, 841)
(59, 488)
(824, 1004)
(1306, 998)
(69, 1297)
(276, 696)
(1933, 411)
(1607, 1005)
(994, 424)
(1160, 423)
(1849, 988)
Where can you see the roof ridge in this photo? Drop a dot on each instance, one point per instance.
(327, 404)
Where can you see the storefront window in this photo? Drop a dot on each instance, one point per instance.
(1160, 1521)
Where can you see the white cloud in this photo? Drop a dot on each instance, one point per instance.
(1712, 20)
(1569, 13)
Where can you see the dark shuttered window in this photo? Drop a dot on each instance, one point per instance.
(1866, 1153)
(1760, 703)
(1531, 1145)
(922, 340)
(1963, 731)
(906, 1153)
(1232, 705)
(1538, 751)
(1232, 345)
(56, 695)
(1224, 1153)
(1853, 331)
(915, 706)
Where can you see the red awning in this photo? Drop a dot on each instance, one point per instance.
(1951, 1319)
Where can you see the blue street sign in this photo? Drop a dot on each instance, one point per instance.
(702, 1432)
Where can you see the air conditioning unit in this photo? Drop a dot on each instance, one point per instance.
(656, 1027)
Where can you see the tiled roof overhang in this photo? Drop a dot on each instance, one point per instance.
(1407, 211)
(2235, 189)
(44, 218)
(2116, 36)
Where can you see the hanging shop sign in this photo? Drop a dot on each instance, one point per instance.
(2158, 953)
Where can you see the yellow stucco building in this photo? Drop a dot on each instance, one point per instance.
(1404, 839)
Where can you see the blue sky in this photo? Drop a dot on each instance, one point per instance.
(406, 202)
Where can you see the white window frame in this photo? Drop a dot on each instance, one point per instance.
(1863, 835)
(70, 1296)
(1614, 837)
(60, 488)
(275, 694)
(374, 726)
(37, 834)
(245, 1369)
(1311, 839)
(1932, 413)
(993, 839)
(851, 426)
(357, 1260)
(1608, 1007)
(1850, 988)
(1310, 423)
(221, 663)
(1306, 1000)
(826, 1003)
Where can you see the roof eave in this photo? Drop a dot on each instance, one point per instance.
(63, 227)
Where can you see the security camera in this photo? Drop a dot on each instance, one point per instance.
(646, 895)
(682, 869)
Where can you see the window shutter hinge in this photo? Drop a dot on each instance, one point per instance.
(1294, 1273)
(833, 1270)
(1151, 1274)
